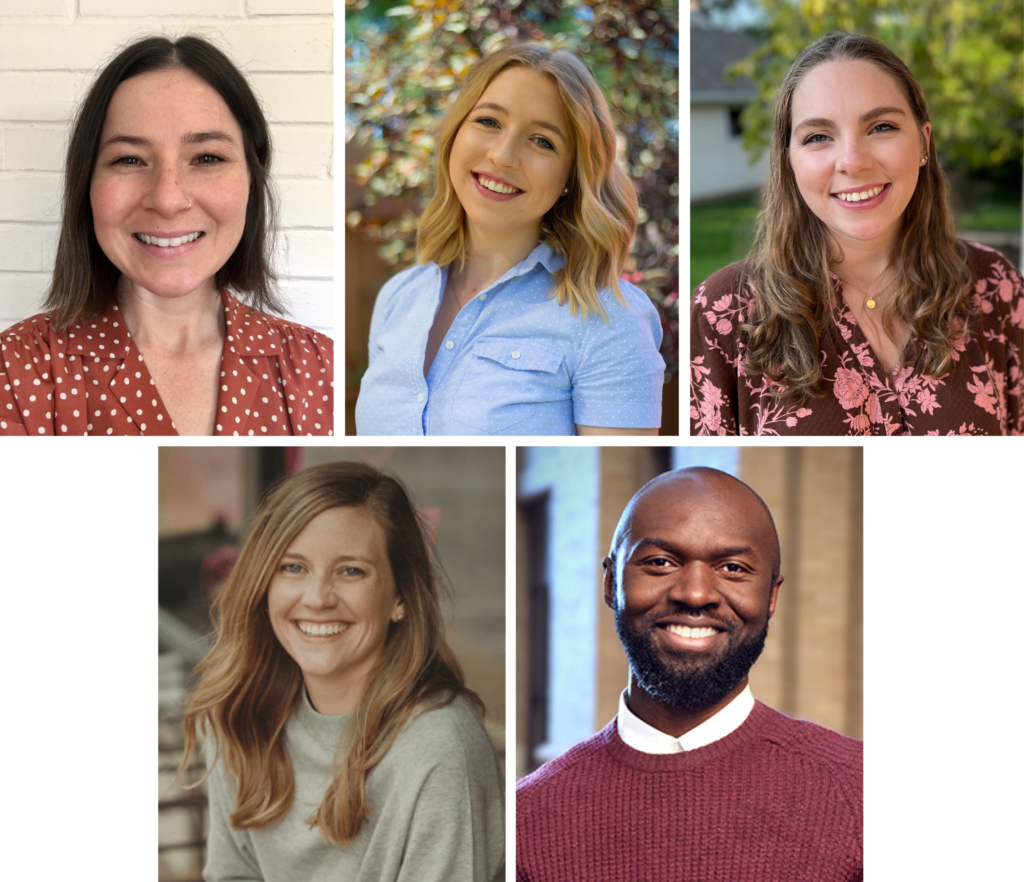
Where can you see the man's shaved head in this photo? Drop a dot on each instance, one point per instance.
(693, 576)
(692, 479)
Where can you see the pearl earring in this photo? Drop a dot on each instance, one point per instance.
(401, 616)
(565, 191)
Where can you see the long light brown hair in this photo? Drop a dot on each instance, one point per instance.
(84, 278)
(793, 250)
(592, 226)
(248, 683)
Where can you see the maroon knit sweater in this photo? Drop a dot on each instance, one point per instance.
(778, 799)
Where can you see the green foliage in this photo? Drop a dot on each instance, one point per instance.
(967, 54)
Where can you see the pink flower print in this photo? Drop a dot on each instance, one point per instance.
(874, 409)
(791, 421)
(979, 286)
(959, 345)
(724, 327)
(964, 430)
(722, 303)
(927, 401)
(861, 423)
(1005, 290)
(1017, 315)
(850, 388)
(983, 396)
(712, 394)
(711, 407)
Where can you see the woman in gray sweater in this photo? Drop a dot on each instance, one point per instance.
(344, 744)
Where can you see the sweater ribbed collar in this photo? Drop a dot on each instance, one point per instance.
(644, 737)
(758, 725)
(325, 730)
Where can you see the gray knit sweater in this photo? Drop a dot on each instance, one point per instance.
(436, 808)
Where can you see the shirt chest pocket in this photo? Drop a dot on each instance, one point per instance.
(509, 380)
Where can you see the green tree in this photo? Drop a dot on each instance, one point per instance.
(968, 56)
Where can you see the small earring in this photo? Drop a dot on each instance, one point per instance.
(401, 616)
(924, 159)
(565, 191)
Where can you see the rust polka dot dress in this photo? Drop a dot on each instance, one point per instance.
(276, 379)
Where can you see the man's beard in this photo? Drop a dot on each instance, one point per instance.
(688, 682)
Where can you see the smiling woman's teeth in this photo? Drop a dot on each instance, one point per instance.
(860, 197)
(488, 184)
(165, 243)
(321, 630)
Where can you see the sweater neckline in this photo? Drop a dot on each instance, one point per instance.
(753, 728)
(311, 717)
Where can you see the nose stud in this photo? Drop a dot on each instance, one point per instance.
(187, 207)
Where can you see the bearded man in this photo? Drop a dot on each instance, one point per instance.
(694, 780)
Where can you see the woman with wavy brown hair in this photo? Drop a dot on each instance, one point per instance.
(859, 312)
(342, 741)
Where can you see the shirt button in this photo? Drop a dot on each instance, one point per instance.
(515, 354)
(449, 345)
(419, 396)
(483, 297)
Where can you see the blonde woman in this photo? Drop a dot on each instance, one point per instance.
(343, 743)
(515, 321)
(859, 312)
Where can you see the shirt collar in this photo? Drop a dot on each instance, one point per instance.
(645, 738)
(543, 254)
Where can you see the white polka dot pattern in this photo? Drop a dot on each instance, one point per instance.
(91, 379)
(514, 362)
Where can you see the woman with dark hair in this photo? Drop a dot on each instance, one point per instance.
(167, 204)
(859, 312)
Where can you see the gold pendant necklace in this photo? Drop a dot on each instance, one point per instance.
(869, 301)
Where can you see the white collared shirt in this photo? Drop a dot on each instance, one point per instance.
(645, 738)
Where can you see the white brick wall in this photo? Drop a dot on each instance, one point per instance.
(50, 52)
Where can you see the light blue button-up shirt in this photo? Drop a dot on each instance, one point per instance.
(514, 362)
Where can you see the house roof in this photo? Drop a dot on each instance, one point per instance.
(711, 52)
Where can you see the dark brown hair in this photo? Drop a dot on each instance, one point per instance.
(793, 252)
(84, 279)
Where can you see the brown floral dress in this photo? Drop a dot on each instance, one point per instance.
(980, 396)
